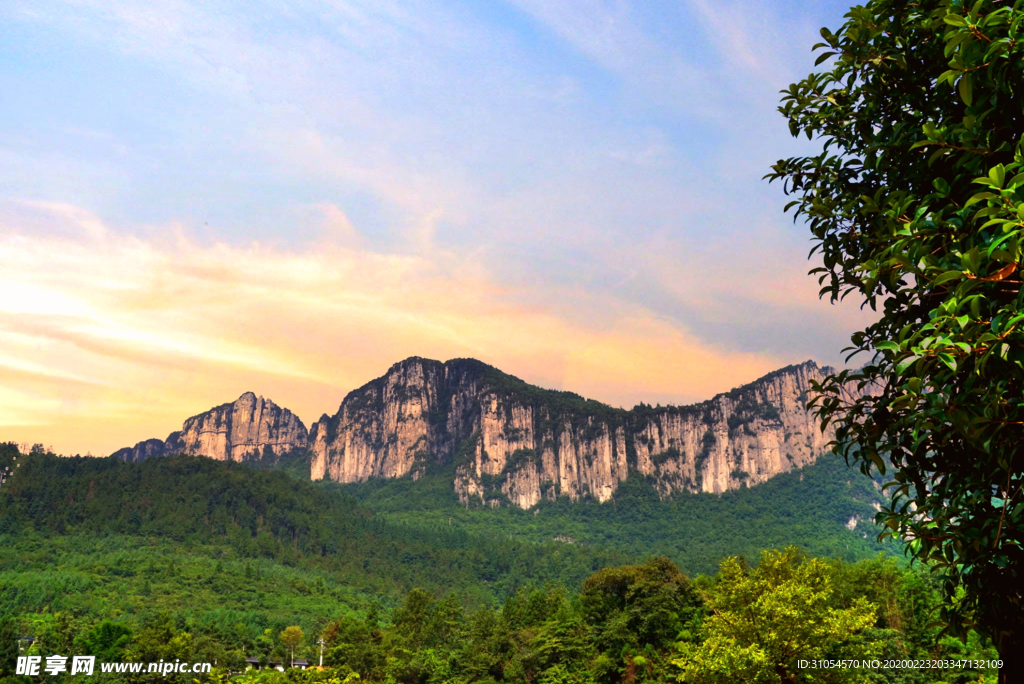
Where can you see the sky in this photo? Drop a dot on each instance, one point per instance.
(202, 199)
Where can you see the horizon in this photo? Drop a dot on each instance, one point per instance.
(195, 199)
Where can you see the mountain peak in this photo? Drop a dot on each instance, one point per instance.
(241, 430)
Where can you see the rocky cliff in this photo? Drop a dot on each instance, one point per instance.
(245, 429)
(512, 442)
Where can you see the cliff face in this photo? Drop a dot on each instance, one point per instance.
(511, 442)
(514, 442)
(231, 432)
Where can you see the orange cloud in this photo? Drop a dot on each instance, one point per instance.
(106, 338)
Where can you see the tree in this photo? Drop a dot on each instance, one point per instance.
(8, 647)
(291, 637)
(107, 641)
(412, 619)
(764, 621)
(915, 203)
(636, 609)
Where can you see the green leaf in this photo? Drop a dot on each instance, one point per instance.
(906, 363)
(997, 173)
(903, 402)
(996, 221)
(979, 197)
(954, 20)
(948, 360)
(822, 57)
(948, 276)
(966, 89)
(887, 345)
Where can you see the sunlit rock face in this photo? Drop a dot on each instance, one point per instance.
(508, 442)
(245, 429)
(742, 437)
(382, 429)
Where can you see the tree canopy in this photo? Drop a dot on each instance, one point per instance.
(765, 621)
(915, 206)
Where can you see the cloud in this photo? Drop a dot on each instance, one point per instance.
(290, 198)
(112, 338)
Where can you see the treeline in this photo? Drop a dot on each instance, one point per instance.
(266, 514)
(624, 625)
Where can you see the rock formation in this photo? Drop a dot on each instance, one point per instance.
(512, 442)
(507, 442)
(242, 430)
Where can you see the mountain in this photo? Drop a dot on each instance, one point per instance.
(243, 430)
(513, 443)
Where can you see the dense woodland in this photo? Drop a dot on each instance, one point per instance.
(810, 507)
(206, 561)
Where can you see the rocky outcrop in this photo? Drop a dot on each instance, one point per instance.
(511, 442)
(248, 428)
(145, 449)
(739, 438)
(507, 442)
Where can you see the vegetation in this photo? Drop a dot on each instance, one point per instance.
(809, 507)
(917, 204)
(202, 561)
(291, 637)
(633, 623)
(265, 514)
(764, 621)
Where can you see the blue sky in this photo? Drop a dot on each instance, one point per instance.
(200, 199)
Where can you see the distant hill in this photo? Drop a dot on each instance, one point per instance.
(267, 514)
(509, 442)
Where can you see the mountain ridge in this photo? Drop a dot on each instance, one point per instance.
(515, 443)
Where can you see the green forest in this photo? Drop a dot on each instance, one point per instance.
(809, 507)
(203, 561)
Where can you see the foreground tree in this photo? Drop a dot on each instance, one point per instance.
(915, 204)
(764, 622)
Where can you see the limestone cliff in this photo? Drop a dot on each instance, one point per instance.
(512, 442)
(242, 430)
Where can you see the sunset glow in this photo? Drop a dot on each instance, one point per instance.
(199, 203)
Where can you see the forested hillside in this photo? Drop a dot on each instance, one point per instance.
(814, 507)
(199, 560)
(265, 514)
